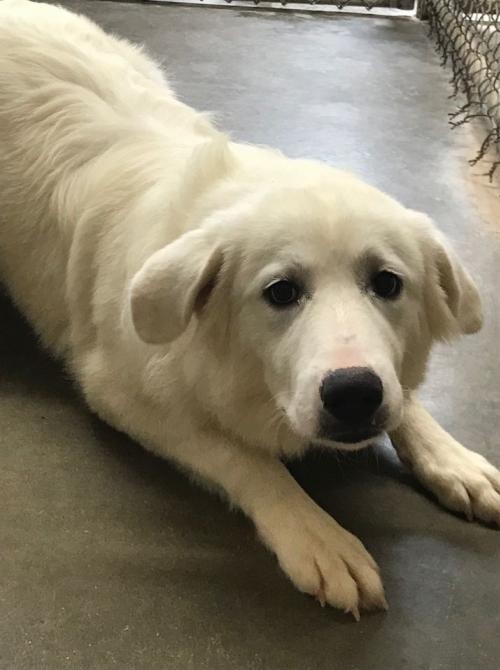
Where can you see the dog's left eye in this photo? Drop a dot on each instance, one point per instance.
(386, 285)
(282, 293)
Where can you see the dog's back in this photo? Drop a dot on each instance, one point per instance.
(84, 119)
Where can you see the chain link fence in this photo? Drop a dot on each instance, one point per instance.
(468, 38)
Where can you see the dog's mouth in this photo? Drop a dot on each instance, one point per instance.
(359, 434)
(334, 434)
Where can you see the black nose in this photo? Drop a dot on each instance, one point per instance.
(352, 395)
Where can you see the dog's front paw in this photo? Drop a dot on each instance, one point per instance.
(324, 560)
(463, 481)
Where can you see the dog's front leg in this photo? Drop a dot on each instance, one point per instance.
(318, 555)
(462, 480)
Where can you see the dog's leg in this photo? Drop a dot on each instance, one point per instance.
(462, 480)
(318, 555)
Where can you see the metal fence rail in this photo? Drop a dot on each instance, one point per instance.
(468, 37)
(367, 4)
(379, 7)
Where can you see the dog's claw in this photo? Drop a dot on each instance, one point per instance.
(320, 595)
(355, 613)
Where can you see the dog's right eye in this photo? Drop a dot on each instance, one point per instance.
(282, 293)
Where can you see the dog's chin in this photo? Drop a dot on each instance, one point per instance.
(348, 442)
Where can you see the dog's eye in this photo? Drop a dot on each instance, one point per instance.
(386, 285)
(282, 293)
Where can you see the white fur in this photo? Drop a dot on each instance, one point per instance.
(137, 239)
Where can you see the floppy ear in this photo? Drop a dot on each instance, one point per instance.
(452, 300)
(172, 284)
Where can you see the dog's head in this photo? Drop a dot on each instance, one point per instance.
(315, 287)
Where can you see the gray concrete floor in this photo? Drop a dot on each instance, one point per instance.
(110, 557)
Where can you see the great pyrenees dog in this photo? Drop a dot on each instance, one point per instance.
(223, 304)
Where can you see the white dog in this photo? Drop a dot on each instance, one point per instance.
(221, 303)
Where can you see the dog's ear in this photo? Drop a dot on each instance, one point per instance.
(172, 284)
(452, 300)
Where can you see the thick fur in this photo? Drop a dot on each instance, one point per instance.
(138, 240)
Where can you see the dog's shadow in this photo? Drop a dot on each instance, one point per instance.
(370, 492)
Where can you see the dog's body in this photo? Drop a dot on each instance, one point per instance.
(212, 299)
